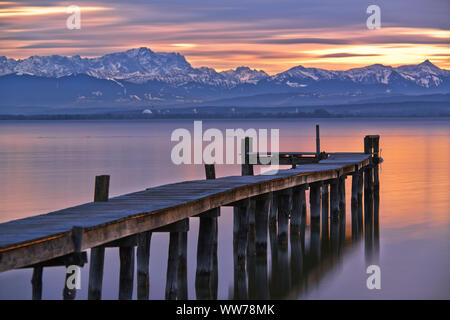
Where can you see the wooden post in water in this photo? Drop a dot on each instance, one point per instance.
(247, 167)
(298, 208)
(273, 210)
(172, 266)
(143, 259)
(342, 195)
(182, 268)
(284, 205)
(334, 198)
(354, 204)
(317, 141)
(36, 283)
(376, 151)
(314, 200)
(262, 205)
(206, 247)
(325, 210)
(126, 277)
(101, 194)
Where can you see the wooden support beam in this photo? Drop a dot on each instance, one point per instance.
(342, 195)
(205, 250)
(334, 198)
(317, 141)
(101, 194)
(143, 260)
(96, 273)
(284, 211)
(298, 213)
(36, 283)
(130, 241)
(126, 276)
(314, 199)
(262, 207)
(76, 258)
(179, 226)
(325, 210)
(354, 205)
(273, 214)
(172, 266)
(182, 293)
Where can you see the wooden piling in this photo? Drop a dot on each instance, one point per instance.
(101, 194)
(273, 214)
(247, 167)
(172, 266)
(342, 195)
(354, 205)
(325, 211)
(262, 205)
(36, 283)
(314, 199)
(317, 141)
(182, 293)
(143, 259)
(334, 198)
(126, 277)
(284, 205)
(205, 247)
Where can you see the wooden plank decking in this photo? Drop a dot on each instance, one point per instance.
(39, 238)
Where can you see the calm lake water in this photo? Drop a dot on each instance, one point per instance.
(49, 165)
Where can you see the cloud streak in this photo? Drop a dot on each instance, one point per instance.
(224, 34)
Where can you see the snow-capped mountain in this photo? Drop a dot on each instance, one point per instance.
(244, 75)
(143, 76)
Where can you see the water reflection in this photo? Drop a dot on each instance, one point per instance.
(288, 270)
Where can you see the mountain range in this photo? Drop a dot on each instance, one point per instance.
(142, 77)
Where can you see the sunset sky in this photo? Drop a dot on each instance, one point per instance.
(263, 34)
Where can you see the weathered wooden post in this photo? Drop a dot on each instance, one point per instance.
(240, 249)
(262, 204)
(298, 208)
(182, 268)
(354, 204)
(273, 214)
(315, 240)
(296, 257)
(101, 194)
(314, 200)
(342, 195)
(325, 210)
(206, 246)
(247, 167)
(36, 283)
(376, 159)
(317, 141)
(334, 198)
(143, 259)
(284, 205)
(126, 254)
(172, 266)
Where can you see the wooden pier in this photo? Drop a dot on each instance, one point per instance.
(261, 203)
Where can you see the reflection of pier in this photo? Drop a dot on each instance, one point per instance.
(265, 207)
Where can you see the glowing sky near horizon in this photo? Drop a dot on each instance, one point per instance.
(269, 35)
